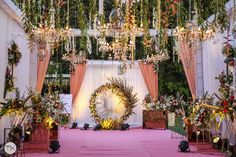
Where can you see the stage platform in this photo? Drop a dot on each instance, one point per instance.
(135, 142)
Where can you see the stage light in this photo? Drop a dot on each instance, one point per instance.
(28, 132)
(183, 146)
(86, 126)
(124, 126)
(97, 127)
(216, 139)
(74, 126)
(54, 146)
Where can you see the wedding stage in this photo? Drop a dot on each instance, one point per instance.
(108, 105)
(133, 143)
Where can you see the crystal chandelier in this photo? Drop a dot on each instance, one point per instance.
(71, 55)
(119, 25)
(191, 32)
(48, 32)
(124, 30)
(155, 58)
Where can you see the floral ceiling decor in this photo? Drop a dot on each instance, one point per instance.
(126, 96)
(71, 55)
(47, 31)
(156, 58)
(192, 31)
(124, 28)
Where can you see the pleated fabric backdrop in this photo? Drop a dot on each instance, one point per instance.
(97, 73)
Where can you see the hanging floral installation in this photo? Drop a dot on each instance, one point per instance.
(158, 14)
(126, 96)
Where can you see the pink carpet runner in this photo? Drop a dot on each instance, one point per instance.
(131, 143)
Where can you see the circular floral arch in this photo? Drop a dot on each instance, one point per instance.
(126, 96)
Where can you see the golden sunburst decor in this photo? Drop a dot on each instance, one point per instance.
(126, 96)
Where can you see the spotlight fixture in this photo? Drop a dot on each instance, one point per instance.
(97, 127)
(183, 146)
(124, 126)
(74, 126)
(54, 146)
(86, 126)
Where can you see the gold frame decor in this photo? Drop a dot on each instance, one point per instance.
(126, 96)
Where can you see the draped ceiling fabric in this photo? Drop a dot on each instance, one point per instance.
(97, 74)
(42, 70)
(150, 78)
(188, 59)
(76, 80)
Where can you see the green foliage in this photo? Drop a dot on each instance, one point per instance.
(108, 6)
(172, 79)
(205, 8)
(92, 9)
(82, 24)
(145, 14)
(171, 76)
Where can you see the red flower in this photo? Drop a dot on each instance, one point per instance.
(225, 110)
(232, 97)
(225, 103)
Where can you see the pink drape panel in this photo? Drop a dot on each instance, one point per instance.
(150, 78)
(188, 59)
(42, 70)
(76, 80)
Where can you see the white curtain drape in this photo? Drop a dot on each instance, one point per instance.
(97, 73)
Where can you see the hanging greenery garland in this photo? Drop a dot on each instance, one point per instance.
(14, 55)
(82, 25)
(206, 8)
(92, 11)
(126, 96)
